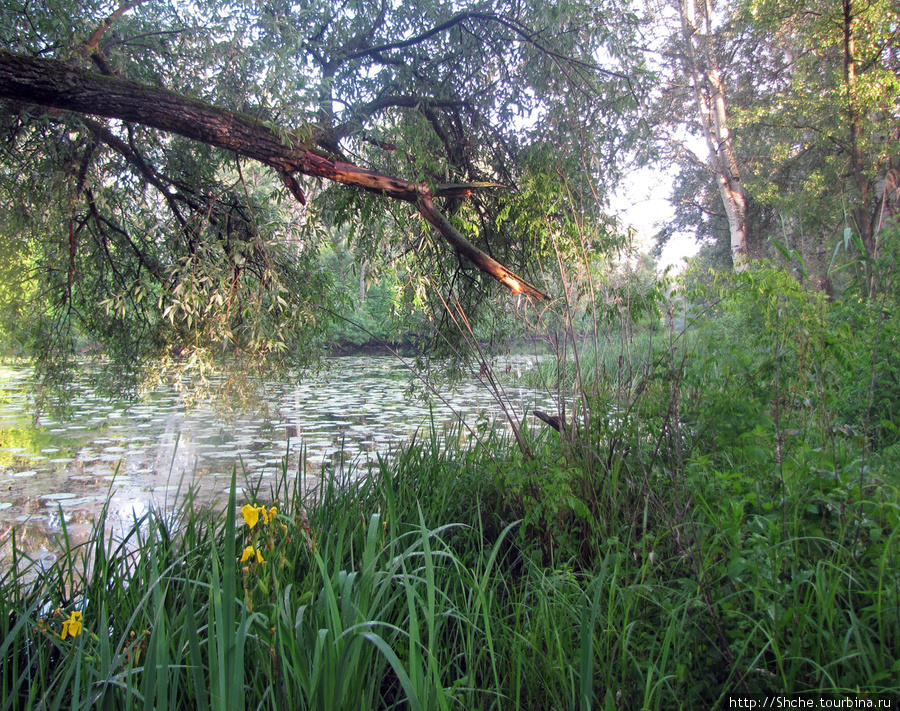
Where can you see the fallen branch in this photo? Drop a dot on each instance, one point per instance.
(52, 83)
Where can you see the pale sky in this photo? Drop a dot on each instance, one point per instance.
(643, 202)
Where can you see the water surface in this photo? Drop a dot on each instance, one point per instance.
(149, 451)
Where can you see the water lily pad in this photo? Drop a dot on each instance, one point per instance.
(80, 501)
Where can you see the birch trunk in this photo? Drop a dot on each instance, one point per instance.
(702, 68)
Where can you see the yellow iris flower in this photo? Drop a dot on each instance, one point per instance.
(249, 552)
(72, 626)
(251, 514)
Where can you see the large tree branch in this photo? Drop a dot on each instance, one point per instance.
(484, 262)
(54, 84)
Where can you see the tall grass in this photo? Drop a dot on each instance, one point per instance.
(452, 579)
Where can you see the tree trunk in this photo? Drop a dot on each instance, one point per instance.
(57, 85)
(864, 219)
(709, 91)
(861, 213)
(362, 282)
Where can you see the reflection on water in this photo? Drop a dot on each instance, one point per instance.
(143, 453)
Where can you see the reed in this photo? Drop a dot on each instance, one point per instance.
(433, 584)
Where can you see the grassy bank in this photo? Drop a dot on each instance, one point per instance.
(720, 517)
(472, 579)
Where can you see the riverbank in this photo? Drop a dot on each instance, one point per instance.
(717, 520)
(467, 577)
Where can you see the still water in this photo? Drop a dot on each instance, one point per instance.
(143, 453)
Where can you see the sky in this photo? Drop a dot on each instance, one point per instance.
(643, 202)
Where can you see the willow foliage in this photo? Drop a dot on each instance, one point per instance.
(148, 244)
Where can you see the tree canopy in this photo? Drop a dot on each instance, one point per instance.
(808, 94)
(168, 169)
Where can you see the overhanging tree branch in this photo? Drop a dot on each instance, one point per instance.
(54, 84)
(487, 264)
(387, 102)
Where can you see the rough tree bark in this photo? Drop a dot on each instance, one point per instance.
(703, 70)
(53, 84)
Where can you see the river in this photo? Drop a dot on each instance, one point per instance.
(147, 452)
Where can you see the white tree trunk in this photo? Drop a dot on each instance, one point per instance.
(702, 67)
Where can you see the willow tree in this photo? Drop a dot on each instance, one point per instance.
(166, 166)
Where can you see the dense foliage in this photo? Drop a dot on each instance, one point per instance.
(147, 230)
(808, 98)
(718, 518)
